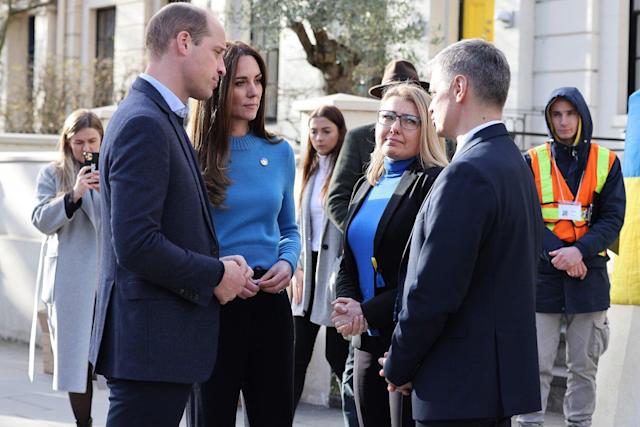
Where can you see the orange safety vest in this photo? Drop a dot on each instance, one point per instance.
(552, 188)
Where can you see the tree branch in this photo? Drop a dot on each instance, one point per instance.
(29, 7)
(301, 32)
(13, 11)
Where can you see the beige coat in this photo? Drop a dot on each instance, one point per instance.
(67, 279)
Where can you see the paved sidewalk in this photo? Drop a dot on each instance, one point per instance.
(25, 404)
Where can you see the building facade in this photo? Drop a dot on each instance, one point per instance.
(590, 44)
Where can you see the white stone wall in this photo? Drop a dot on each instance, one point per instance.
(583, 43)
(129, 54)
(19, 241)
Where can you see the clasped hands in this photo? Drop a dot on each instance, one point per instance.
(405, 389)
(238, 281)
(569, 259)
(347, 317)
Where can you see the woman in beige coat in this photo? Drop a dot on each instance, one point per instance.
(68, 213)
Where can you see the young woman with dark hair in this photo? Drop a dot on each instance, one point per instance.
(314, 281)
(249, 175)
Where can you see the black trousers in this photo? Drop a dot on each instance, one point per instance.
(336, 347)
(377, 407)
(146, 403)
(255, 355)
(481, 422)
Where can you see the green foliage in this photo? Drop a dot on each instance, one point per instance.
(350, 41)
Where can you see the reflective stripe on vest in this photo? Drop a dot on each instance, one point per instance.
(550, 187)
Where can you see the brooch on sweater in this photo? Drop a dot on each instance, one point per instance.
(264, 161)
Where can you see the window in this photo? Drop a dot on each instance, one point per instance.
(103, 72)
(266, 41)
(634, 47)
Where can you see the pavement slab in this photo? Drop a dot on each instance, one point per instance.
(26, 404)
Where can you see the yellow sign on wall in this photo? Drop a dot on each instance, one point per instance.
(477, 19)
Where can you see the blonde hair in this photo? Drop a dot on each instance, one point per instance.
(432, 149)
(66, 165)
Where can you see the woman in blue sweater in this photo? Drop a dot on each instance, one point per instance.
(407, 158)
(249, 175)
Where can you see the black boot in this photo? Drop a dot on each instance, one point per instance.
(89, 423)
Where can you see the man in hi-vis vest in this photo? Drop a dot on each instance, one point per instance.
(582, 200)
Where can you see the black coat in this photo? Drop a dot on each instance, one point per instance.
(466, 335)
(390, 240)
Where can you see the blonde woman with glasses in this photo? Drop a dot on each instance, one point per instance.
(407, 158)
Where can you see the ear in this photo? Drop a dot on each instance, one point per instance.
(460, 87)
(183, 42)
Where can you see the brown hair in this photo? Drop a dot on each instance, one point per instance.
(310, 166)
(171, 20)
(432, 149)
(66, 165)
(212, 123)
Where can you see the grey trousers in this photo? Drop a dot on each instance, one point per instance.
(587, 337)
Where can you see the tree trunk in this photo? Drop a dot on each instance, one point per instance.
(340, 83)
(336, 61)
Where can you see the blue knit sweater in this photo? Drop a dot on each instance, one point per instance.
(257, 219)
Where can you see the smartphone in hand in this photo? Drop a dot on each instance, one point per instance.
(91, 160)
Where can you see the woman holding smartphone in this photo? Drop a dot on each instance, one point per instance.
(249, 175)
(68, 214)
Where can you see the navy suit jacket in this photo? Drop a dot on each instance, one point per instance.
(156, 318)
(466, 333)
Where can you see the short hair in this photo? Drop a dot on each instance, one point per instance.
(432, 149)
(483, 64)
(173, 18)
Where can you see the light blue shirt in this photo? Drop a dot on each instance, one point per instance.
(169, 97)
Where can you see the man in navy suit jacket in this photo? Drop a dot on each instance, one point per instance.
(156, 323)
(465, 341)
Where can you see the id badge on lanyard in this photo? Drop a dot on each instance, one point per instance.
(570, 210)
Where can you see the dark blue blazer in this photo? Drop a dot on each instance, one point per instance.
(466, 334)
(156, 318)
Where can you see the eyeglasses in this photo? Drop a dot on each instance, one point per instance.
(407, 121)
